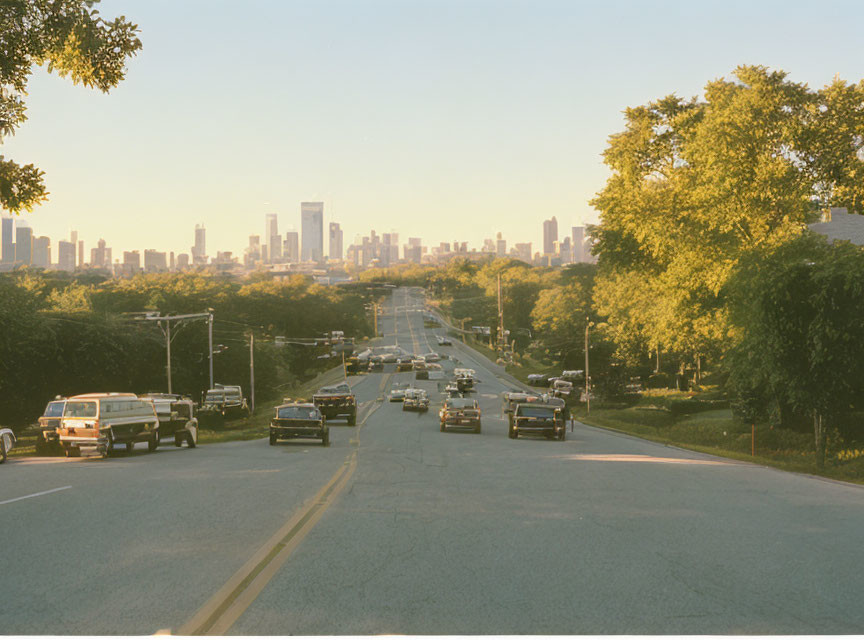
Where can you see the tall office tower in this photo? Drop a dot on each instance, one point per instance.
(578, 244)
(565, 250)
(312, 231)
(73, 238)
(42, 252)
(550, 235)
(80, 253)
(172, 263)
(100, 256)
(199, 251)
(413, 251)
(7, 254)
(291, 247)
(415, 242)
(271, 226)
(488, 246)
(500, 245)
(523, 251)
(335, 241)
(132, 261)
(23, 244)
(182, 261)
(252, 254)
(66, 256)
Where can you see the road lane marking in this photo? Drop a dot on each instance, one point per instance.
(221, 611)
(36, 495)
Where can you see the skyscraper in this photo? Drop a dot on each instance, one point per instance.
(42, 252)
(199, 251)
(312, 230)
(73, 238)
(272, 238)
(578, 244)
(8, 241)
(550, 235)
(523, 251)
(500, 245)
(23, 244)
(291, 247)
(335, 241)
(66, 256)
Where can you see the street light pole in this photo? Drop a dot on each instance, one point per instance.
(168, 348)
(210, 342)
(252, 371)
(587, 388)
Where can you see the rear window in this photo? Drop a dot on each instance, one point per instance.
(54, 409)
(461, 403)
(298, 413)
(80, 410)
(535, 412)
(215, 397)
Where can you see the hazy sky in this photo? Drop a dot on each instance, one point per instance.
(444, 120)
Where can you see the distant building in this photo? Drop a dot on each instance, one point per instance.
(23, 244)
(523, 251)
(66, 256)
(7, 237)
(252, 255)
(839, 224)
(182, 261)
(80, 253)
(291, 247)
(101, 255)
(312, 230)
(578, 244)
(42, 252)
(199, 251)
(155, 260)
(132, 261)
(500, 245)
(565, 250)
(335, 241)
(550, 235)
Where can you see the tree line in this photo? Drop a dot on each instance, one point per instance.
(65, 335)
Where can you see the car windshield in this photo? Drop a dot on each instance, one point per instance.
(54, 409)
(215, 396)
(80, 410)
(535, 412)
(297, 413)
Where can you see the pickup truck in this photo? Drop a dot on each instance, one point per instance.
(337, 400)
(298, 420)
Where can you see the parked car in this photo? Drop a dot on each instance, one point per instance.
(7, 442)
(444, 341)
(416, 400)
(224, 401)
(47, 440)
(460, 412)
(102, 421)
(538, 380)
(562, 388)
(397, 393)
(299, 420)
(337, 400)
(177, 421)
(404, 363)
(538, 419)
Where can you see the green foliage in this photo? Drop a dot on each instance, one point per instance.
(67, 37)
(63, 336)
(697, 184)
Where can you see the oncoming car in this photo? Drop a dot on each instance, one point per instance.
(415, 400)
(397, 393)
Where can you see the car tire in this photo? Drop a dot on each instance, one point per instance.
(325, 440)
(272, 439)
(192, 439)
(443, 427)
(477, 428)
(3, 454)
(73, 452)
(153, 443)
(352, 420)
(178, 441)
(109, 446)
(41, 446)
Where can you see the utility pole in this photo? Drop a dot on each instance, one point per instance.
(587, 388)
(502, 340)
(344, 367)
(166, 331)
(210, 343)
(375, 311)
(252, 371)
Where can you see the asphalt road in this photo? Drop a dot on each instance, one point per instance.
(432, 533)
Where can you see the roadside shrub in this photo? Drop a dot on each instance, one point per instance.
(682, 407)
(659, 381)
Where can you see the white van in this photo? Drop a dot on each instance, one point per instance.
(103, 420)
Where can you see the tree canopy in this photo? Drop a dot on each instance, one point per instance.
(68, 37)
